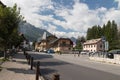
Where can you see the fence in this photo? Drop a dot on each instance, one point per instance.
(30, 61)
(105, 57)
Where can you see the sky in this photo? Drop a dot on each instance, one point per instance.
(68, 18)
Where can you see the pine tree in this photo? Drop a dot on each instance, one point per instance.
(89, 34)
(79, 42)
(109, 31)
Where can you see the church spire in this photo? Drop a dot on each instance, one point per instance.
(44, 36)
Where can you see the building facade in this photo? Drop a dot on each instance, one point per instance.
(2, 4)
(62, 44)
(54, 43)
(93, 45)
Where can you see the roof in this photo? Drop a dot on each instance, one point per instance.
(93, 41)
(2, 4)
(44, 36)
(61, 39)
(52, 36)
(41, 38)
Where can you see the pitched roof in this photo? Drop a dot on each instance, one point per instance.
(93, 41)
(61, 39)
(2, 4)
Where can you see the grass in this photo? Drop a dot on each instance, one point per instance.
(3, 59)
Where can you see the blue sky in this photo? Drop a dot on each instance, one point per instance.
(69, 18)
(93, 4)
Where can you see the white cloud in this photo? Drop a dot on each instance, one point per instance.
(81, 17)
(78, 19)
(112, 14)
(30, 9)
(69, 34)
(51, 28)
(118, 3)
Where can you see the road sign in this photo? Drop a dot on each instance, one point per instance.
(106, 45)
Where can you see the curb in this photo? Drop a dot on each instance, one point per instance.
(41, 78)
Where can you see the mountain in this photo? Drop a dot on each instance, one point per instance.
(31, 32)
(73, 39)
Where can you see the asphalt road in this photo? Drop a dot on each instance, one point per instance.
(68, 71)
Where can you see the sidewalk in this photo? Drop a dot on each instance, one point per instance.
(1, 61)
(83, 60)
(17, 69)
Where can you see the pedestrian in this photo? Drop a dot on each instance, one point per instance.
(79, 53)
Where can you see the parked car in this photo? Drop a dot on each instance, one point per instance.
(84, 52)
(50, 51)
(111, 53)
(117, 51)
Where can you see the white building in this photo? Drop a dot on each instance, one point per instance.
(93, 45)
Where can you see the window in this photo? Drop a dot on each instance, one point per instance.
(101, 46)
(63, 43)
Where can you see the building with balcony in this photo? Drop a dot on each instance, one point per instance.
(54, 43)
(61, 44)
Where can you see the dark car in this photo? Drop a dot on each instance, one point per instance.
(115, 51)
(50, 51)
(111, 53)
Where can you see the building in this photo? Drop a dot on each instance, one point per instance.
(52, 42)
(62, 44)
(2, 4)
(93, 45)
(43, 43)
(41, 46)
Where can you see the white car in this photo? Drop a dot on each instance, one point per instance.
(84, 52)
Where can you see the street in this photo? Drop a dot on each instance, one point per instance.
(67, 71)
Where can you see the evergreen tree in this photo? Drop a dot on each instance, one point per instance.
(109, 31)
(114, 31)
(89, 34)
(100, 32)
(94, 32)
(114, 35)
(79, 42)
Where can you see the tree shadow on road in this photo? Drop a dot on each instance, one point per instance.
(41, 56)
(53, 63)
(19, 56)
(23, 62)
(47, 73)
(16, 70)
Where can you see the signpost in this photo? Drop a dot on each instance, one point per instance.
(106, 45)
